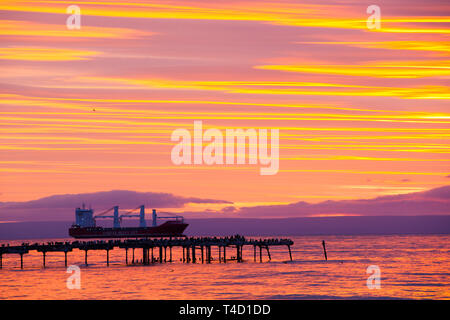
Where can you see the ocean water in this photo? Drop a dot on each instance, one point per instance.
(411, 267)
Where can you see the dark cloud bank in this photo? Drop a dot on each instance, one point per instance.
(421, 212)
(433, 202)
(62, 207)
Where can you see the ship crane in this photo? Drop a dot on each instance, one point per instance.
(140, 215)
(118, 219)
(115, 216)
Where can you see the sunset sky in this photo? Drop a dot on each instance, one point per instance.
(362, 113)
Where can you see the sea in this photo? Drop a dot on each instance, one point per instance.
(357, 267)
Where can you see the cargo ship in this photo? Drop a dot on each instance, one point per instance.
(85, 225)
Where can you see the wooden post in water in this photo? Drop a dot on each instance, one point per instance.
(290, 254)
(153, 260)
(65, 259)
(126, 256)
(1, 261)
(43, 259)
(21, 261)
(224, 254)
(254, 253)
(260, 253)
(220, 254)
(160, 254)
(193, 254)
(133, 257)
(183, 254)
(107, 257)
(165, 253)
(324, 250)
(85, 257)
(170, 249)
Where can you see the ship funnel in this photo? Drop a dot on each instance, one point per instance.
(154, 218)
(142, 222)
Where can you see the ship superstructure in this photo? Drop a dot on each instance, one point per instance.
(85, 225)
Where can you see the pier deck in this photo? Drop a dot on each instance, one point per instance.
(189, 245)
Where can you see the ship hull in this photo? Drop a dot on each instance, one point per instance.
(167, 229)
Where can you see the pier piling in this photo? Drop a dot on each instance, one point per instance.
(208, 254)
(201, 249)
(268, 253)
(145, 256)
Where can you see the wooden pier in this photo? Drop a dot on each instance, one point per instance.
(190, 247)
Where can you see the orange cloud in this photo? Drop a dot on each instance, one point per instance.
(45, 54)
(290, 14)
(394, 69)
(43, 30)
